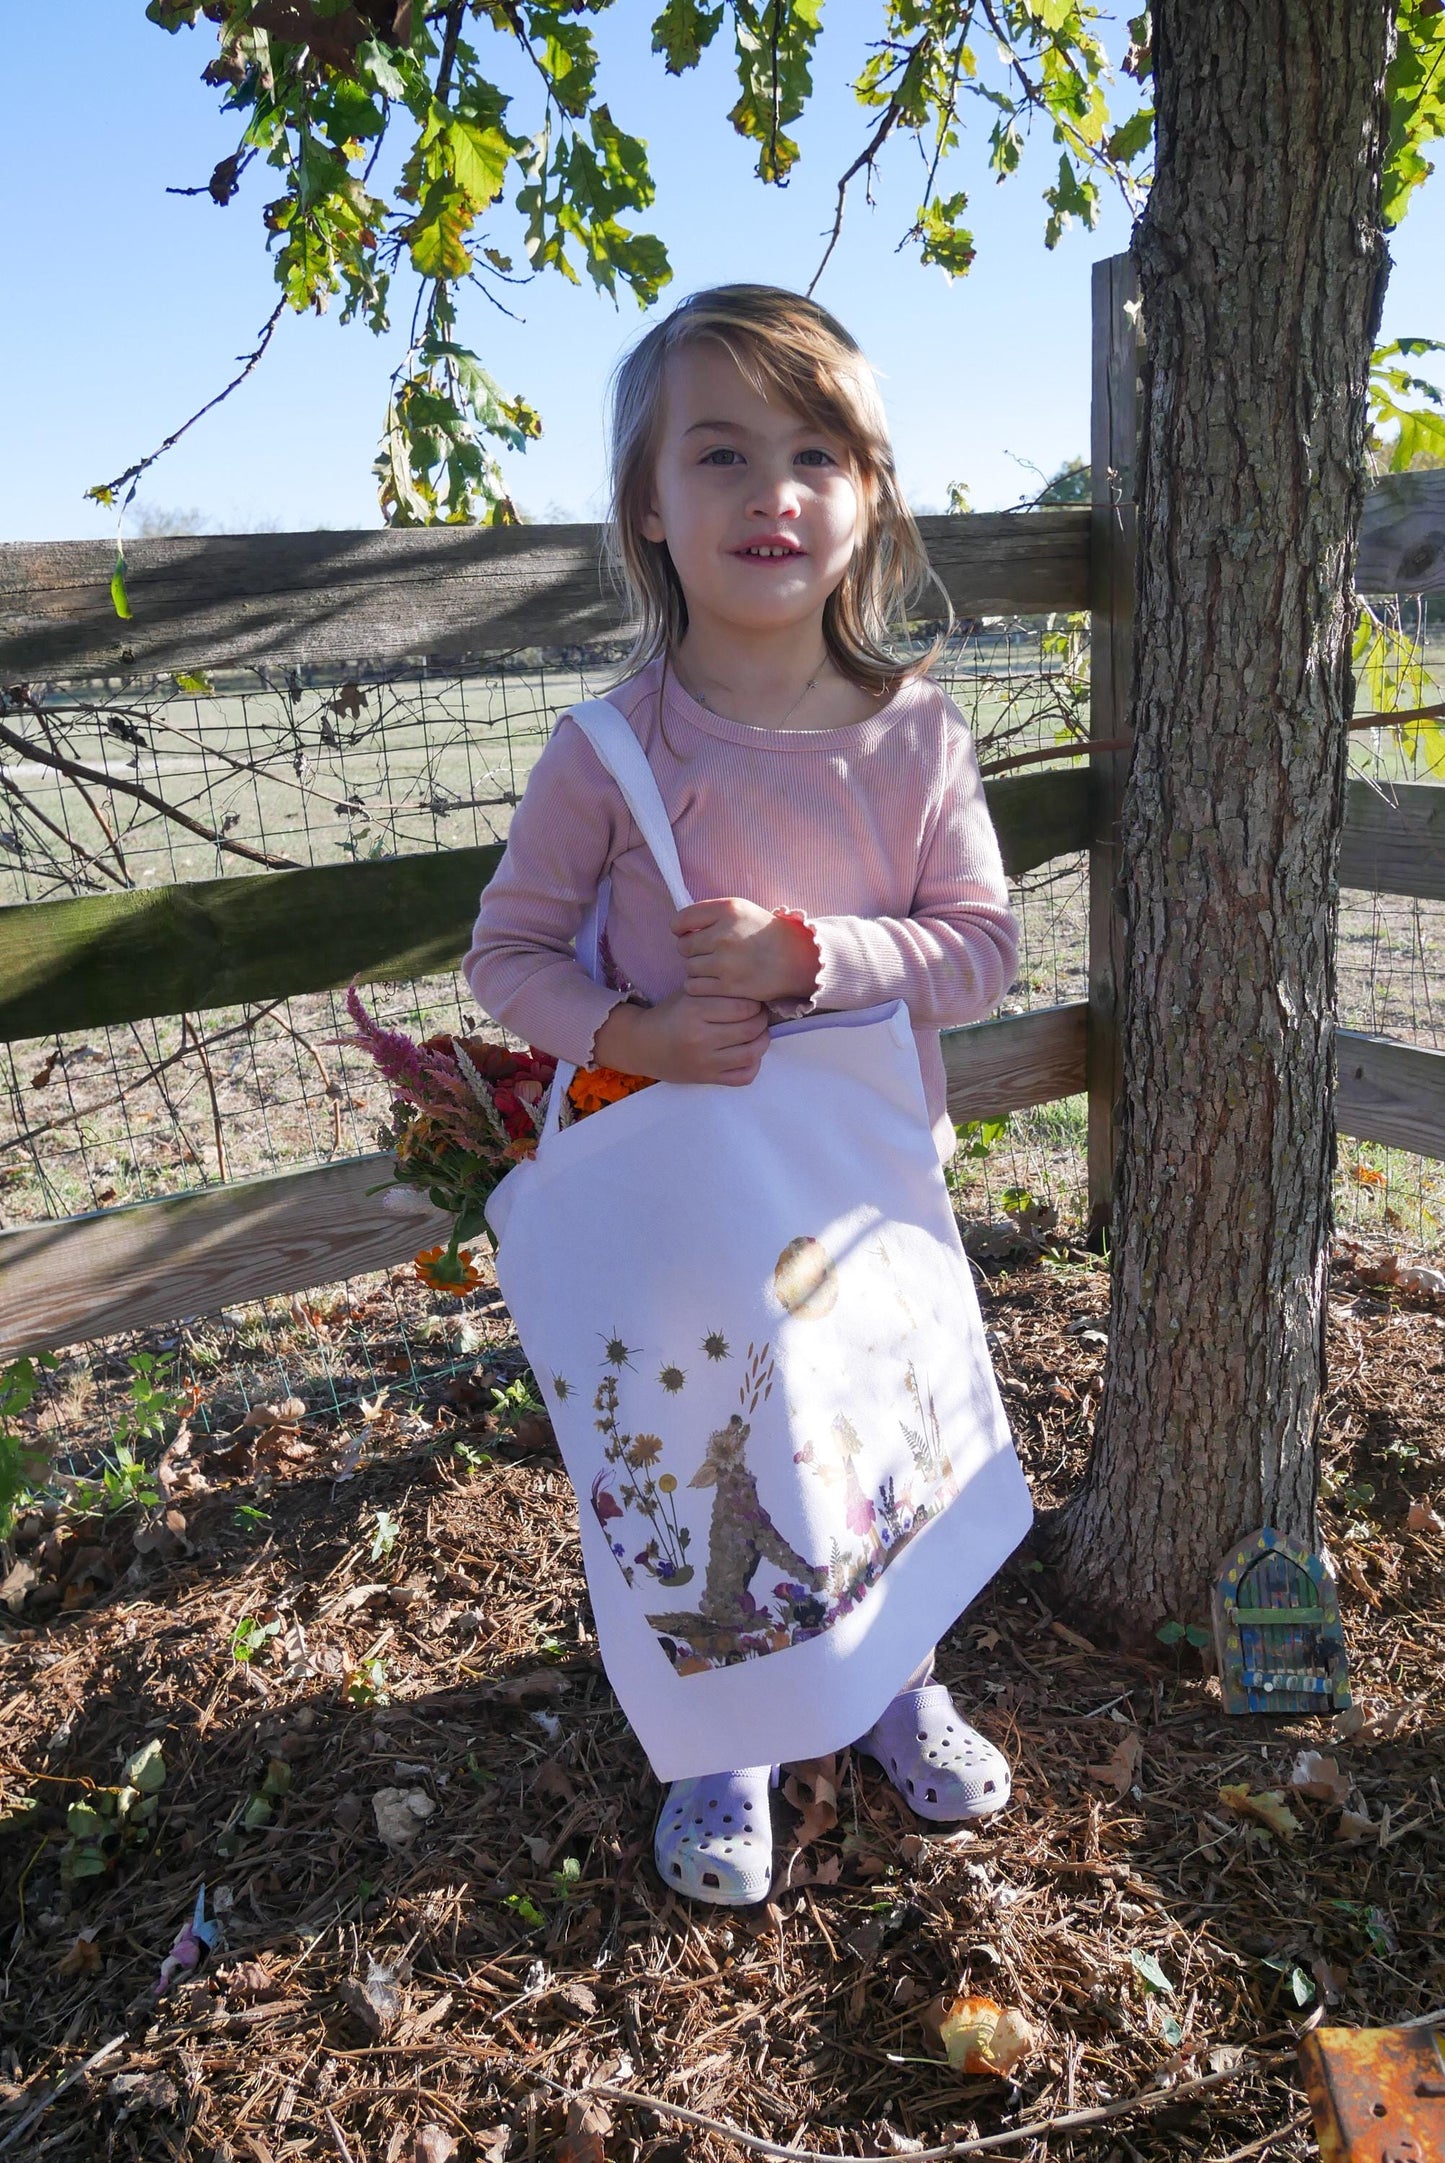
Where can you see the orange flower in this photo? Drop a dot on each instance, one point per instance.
(594, 1087)
(447, 1270)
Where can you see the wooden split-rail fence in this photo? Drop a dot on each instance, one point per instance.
(324, 601)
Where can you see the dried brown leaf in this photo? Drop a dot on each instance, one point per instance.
(812, 1789)
(374, 1998)
(588, 2123)
(83, 1958)
(433, 2145)
(248, 1980)
(1424, 1518)
(1123, 1767)
(1320, 1778)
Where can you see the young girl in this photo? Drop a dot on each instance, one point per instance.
(825, 796)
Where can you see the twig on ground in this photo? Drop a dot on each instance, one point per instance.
(76, 2073)
(1255, 2147)
(1032, 2129)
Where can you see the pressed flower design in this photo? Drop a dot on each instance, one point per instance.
(742, 1612)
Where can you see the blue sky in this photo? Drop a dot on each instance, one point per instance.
(127, 306)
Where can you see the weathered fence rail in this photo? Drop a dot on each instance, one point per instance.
(332, 601)
(403, 599)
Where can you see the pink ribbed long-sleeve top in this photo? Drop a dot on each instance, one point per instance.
(877, 833)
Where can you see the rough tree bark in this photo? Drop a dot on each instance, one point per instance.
(1262, 265)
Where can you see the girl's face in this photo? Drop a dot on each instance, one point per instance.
(759, 508)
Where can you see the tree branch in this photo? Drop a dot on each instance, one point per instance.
(32, 811)
(865, 157)
(106, 491)
(74, 771)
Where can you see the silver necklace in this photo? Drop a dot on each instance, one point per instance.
(797, 702)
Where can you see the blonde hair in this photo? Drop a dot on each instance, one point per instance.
(791, 350)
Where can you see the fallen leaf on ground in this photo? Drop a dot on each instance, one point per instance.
(1269, 1809)
(248, 1980)
(541, 1682)
(18, 1580)
(554, 1781)
(588, 2121)
(491, 2143)
(981, 2036)
(799, 1871)
(812, 1789)
(84, 1957)
(1424, 1518)
(1123, 1767)
(400, 1814)
(1355, 1826)
(433, 2145)
(1320, 1778)
(144, 2091)
(1363, 1725)
(374, 1998)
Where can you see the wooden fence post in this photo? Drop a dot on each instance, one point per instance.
(1113, 452)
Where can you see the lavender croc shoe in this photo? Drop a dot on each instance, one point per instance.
(942, 1767)
(714, 1838)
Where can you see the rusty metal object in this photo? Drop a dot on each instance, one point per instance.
(1378, 2094)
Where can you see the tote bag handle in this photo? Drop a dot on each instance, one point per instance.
(619, 751)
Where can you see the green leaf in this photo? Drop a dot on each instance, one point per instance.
(257, 1813)
(119, 598)
(437, 234)
(479, 159)
(198, 685)
(84, 1823)
(278, 1778)
(1132, 136)
(683, 32)
(945, 241)
(1152, 1975)
(146, 1770)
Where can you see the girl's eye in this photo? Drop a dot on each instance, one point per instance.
(724, 452)
(817, 452)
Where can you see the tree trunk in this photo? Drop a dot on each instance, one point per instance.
(1262, 266)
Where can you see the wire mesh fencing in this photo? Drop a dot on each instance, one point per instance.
(192, 778)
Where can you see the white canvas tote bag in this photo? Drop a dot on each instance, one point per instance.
(756, 1333)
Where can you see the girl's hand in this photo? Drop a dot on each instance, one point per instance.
(685, 1039)
(734, 949)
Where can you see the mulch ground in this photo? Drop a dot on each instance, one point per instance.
(388, 1751)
